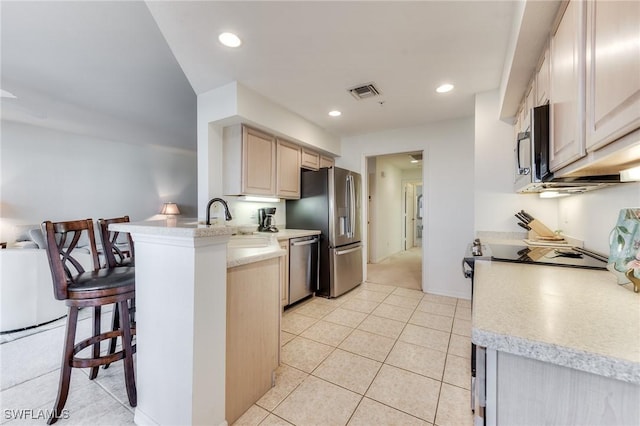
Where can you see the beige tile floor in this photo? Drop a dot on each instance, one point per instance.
(379, 355)
(403, 269)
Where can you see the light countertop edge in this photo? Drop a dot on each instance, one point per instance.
(576, 318)
(243, 256)
(163, 228)
(236, 256)
(607, 366)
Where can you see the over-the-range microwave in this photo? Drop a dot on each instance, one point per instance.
(532, 168)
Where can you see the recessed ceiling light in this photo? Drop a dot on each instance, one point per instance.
(230, 39)
(335, 113)
(445, 88)
(414, 161)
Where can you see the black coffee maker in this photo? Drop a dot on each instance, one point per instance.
(267, 220)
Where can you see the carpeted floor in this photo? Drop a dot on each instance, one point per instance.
(403, 269)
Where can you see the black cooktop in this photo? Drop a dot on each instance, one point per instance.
(553, 256)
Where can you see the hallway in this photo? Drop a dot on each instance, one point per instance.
(403, 269)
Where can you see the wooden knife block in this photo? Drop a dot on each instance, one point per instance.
(539, 231)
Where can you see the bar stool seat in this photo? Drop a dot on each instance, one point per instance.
(94, 288)
(121, 279)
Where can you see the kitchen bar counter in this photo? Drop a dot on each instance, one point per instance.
(181, 307)
(576, 318)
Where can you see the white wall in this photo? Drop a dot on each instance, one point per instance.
(54, 175)
(495, 200)
(387, 200)
(412, 175)
(448, 186)
(591, 216)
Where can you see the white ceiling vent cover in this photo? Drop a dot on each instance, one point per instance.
(365, 91)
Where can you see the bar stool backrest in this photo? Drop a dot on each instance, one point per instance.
(62, 251)
(115, 253)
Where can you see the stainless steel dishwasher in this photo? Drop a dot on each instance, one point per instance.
(303, 267)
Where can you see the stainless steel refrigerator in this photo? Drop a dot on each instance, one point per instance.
(331, 202)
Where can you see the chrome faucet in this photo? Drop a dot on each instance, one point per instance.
(227, 214)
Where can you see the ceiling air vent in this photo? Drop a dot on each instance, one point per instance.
(365, 91)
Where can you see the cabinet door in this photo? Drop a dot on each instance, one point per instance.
(253, 330)
(613, 71)
(284, 274)
(529, 101)
(288, 169)
(326, 162)
(542, 80)
(567, 88)
(310, 159)
(258, 162)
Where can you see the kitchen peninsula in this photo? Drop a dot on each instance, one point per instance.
(181, 316)
(563, 345)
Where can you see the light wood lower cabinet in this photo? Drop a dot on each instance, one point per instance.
(284, 274)
(253, 333)
(531, 392)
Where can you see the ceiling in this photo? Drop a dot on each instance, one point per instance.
(305, 55)
(131, 68)
(101, 69)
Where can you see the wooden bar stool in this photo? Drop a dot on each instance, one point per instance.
(94, 288)
(117, 253)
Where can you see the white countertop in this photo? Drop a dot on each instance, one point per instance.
(173, 229)
(576, 318)
(238, 255)
(285, 234)
(262, 248)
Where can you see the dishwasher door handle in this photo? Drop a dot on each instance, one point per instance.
(340, 253)
(304, 243)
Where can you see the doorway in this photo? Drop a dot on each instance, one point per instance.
(394, 222)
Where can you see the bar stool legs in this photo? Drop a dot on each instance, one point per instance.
(65, 368)
(127, 348)
(70, 349)
(96, 347)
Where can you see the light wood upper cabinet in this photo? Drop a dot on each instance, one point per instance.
(326, 162)
(613, 71)
(529, 103)
(249, 165)
(566, 94)
(310, 159)
(288, 169)
(542, 80)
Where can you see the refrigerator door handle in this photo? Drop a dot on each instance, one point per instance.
(351, 206)
(341, 252)
(347, 202)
